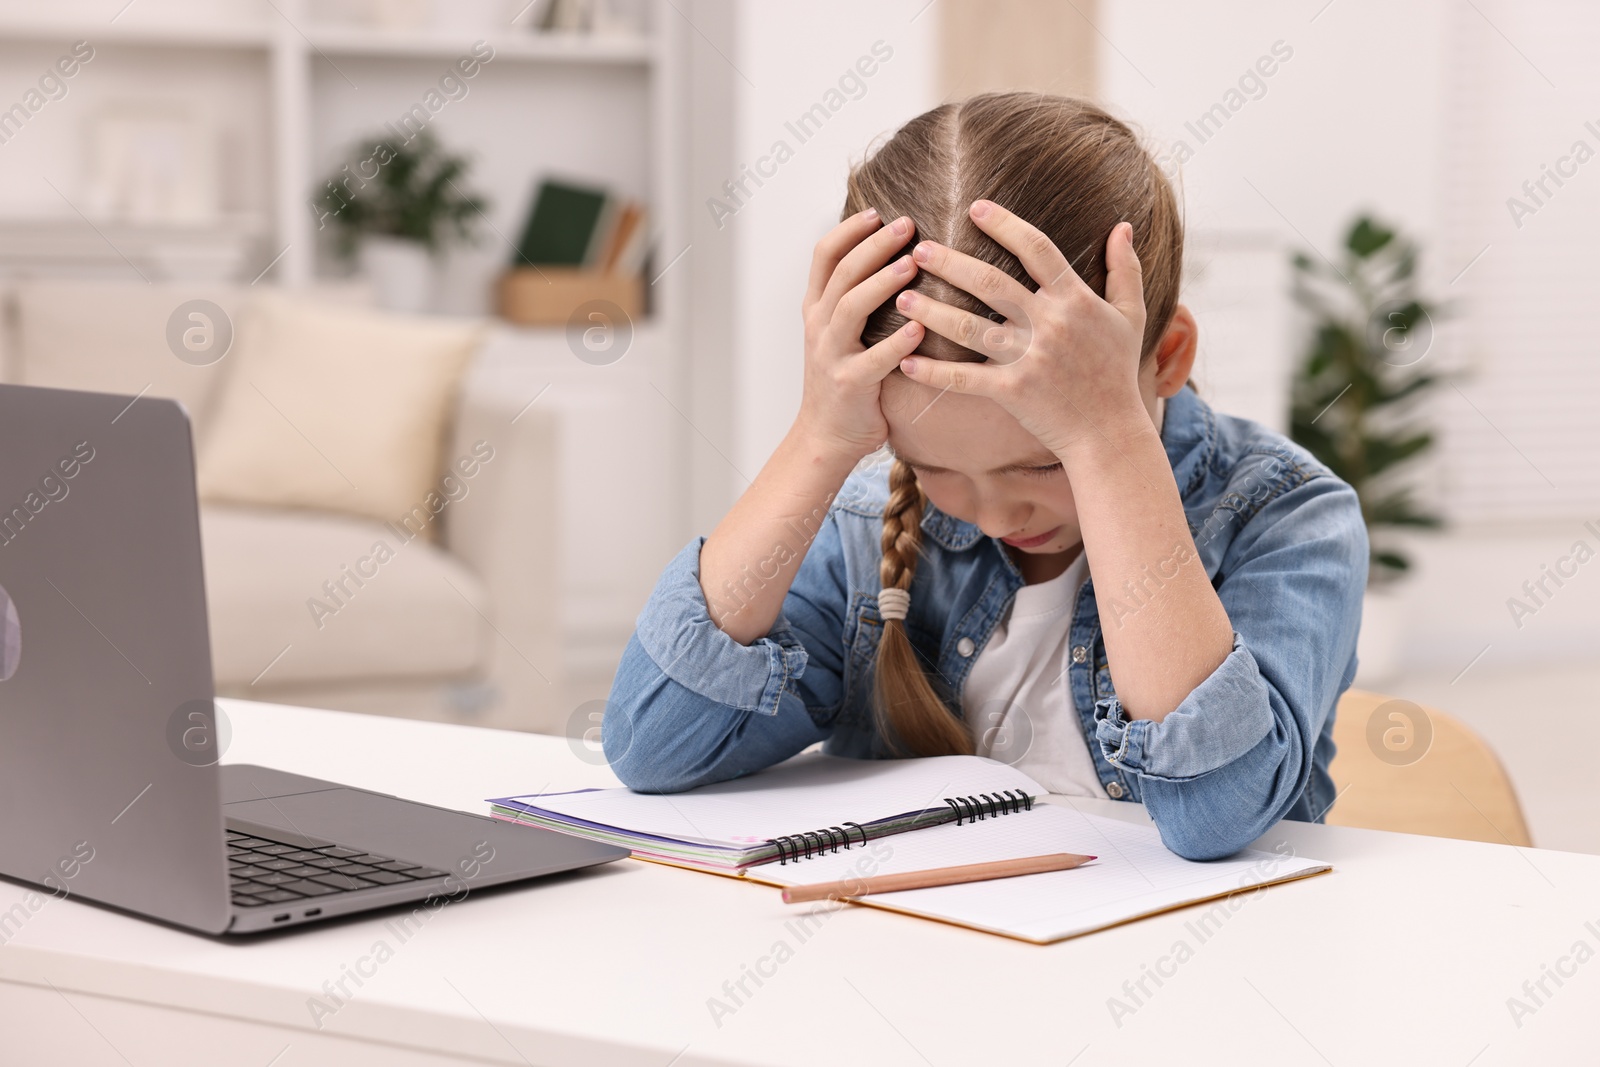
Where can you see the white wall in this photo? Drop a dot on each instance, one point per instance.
(1321, 137)
(1349, 121)
(788, 58)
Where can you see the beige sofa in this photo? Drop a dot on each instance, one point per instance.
(463, 629)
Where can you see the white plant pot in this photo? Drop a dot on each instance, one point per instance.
(401, 272)
(1378, 646)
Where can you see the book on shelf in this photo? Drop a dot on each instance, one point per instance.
(583, 227)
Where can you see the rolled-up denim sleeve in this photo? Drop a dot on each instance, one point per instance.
(689, 705)
(1235, 755)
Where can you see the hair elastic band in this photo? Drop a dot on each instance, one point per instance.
(893, 603)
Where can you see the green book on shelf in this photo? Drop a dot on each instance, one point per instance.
(562, 225)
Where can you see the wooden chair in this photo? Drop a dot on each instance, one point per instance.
(1401, 766)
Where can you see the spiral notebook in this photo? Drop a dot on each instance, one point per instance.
(818, 818)
(783, 814)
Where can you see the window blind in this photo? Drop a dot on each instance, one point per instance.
(1518, 261)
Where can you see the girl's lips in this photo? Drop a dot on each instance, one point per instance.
(1030, 542)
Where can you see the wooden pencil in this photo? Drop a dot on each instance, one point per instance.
(970, 872)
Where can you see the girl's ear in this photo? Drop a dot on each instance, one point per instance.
(1175, 353)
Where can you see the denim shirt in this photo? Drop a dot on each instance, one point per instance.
(1281, 538)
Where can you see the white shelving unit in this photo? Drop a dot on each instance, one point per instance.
(288, 94)
(303, 63)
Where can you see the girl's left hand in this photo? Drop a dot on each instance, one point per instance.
(1065, 363)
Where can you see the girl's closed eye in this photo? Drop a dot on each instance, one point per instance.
(1031, 472)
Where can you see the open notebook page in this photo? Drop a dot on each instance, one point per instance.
(801, 794)
(1134, 875)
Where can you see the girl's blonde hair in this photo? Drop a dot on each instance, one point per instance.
(1073, 171)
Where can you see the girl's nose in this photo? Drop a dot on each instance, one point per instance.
(1001, 518)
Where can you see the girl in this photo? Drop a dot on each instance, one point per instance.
(1072, 564)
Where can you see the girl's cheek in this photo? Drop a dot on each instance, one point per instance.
(1055, 503)
(1063, 501)
(956, 505)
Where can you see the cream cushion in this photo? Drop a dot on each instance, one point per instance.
(334, 409)
(111, 337)
(418, 613)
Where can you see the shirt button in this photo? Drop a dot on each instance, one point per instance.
(1079, 654)
(966, 646)
(1114, 790)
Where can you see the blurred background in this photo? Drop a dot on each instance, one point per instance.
(373, 242)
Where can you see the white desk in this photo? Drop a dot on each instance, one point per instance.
(1406, 953)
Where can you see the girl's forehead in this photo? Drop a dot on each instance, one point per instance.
(949, 429)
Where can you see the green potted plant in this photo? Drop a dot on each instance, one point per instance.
(396, 206)
(1354, 401)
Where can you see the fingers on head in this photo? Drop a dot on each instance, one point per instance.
(843, 237)
(871, 252)
(833, 247)
(1039, 255)
(872, 365)
(867, 257)
(887, 353)
(1124, 272)
(855, 305)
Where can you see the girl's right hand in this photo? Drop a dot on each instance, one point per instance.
(850, 277)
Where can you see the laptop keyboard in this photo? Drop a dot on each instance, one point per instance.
(262, 871)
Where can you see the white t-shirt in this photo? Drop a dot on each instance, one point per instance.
(1017, 698)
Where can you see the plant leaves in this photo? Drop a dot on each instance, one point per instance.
(1366, 237)
(414, 193)
(1385, 452)
(1344, 377)
(1392, 560)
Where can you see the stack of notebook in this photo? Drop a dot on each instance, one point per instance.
(817, 818)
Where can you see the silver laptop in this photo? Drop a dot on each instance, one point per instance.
(110, 786)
